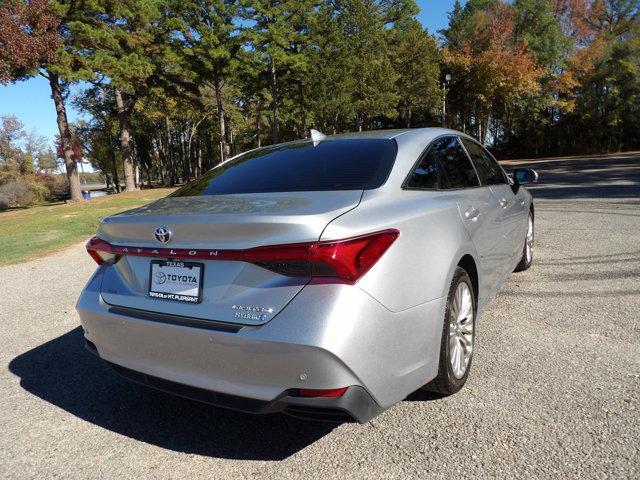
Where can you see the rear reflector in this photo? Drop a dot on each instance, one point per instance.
(310, 392)
(343, 261)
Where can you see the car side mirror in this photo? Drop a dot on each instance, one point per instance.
(522, 176)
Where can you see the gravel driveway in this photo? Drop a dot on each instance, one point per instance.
(553, 391)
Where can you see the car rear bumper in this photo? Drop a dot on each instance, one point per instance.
(355, 404)
(256, 368)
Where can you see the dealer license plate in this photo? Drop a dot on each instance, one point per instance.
(176, 280)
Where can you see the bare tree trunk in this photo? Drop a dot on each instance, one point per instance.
(125, 142)
(114, 159)
(258, 128)
(186, 174)
(200, 166)
(275, 126)
(192, 132)
(162, 157)
(485, 131)
(224, 144)
(208, 157)
(172, 169)
(303, 113)
(463, 115)
(65, 138)
(231, 139)
(198, 155)
(114, 164)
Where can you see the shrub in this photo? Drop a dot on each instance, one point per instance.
(8, 175)
(40, 192)
(57, 184)
(30, 189)
(15, 194)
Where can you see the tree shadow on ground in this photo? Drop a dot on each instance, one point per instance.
(62, 373)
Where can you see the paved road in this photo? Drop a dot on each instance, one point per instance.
(553, 393)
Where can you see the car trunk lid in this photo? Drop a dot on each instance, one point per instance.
(232, 291)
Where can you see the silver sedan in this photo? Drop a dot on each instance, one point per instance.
(326, 278)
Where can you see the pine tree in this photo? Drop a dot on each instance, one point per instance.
(363, 22)
(209, 46)
(279, 28)
(416, 59)
(331, 72)
(124, 43)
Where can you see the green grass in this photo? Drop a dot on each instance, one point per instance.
(36, 231)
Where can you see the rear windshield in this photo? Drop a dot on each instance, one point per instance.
(361, 164)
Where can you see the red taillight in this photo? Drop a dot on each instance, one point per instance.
(345, 261)
(350, 259)
(312, 392)
(100, 251)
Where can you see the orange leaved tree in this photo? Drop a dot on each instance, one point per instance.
(489, 68)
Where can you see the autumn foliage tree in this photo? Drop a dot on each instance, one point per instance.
(584, 94)
(602, 78)
(28, 37)
(490, 68)
(32, 41)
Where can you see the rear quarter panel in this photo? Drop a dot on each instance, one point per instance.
(419, 266)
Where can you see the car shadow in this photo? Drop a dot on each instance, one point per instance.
(62, 373)
(424, 396)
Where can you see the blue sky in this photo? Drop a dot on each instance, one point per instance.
(31, 102)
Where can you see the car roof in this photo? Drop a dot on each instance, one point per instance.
(400, 134)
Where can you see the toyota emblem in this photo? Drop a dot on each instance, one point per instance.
(162, 234)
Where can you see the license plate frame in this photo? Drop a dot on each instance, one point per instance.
(179, 269)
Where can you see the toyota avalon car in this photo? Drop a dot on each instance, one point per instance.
(326, 278)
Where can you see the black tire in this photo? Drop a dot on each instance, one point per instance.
(446, 382)
(527, 260)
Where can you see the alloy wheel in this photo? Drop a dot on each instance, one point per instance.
(461, 330)
(529, 240)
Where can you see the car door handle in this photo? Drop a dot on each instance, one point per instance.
(472, 213)
(504, 203)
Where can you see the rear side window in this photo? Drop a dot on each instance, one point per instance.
(445, 165)
(488, 169)
(456, 170)
(349, 164)
(426, 174)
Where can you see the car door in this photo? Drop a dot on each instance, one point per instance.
(446, 167)
(510, 206)
(513, 221)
